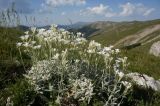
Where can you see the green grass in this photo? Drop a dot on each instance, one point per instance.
(141, 61)
(8, 50)
(11, 66)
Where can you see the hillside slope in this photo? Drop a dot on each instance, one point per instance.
(144, 36)
(109, 33)
(136, 37)
(11, 67)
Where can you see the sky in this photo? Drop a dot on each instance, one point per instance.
(71, 11)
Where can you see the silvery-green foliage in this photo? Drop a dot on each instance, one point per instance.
(82, 89)
(66, 66)
(39, 73)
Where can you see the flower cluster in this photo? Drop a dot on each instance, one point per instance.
(93, 47)
(68, 64)
(38, 73)
(82, 89)
(42, 43)
(26, 42)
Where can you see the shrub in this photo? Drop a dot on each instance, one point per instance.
(69, 70)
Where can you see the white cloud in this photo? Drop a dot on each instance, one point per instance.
(128, 9)
(135, 9)
(98, 10)
(48, 5)
(149, 12)
(64, 2)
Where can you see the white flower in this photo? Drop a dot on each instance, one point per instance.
(58, 100)
(33, 42)
(93, 47)
(118, 60)
(33, 29)
(26, 44)
(19, 44)
(77, 61)
(22, 38)
(94, 44)
(117, 50)
(37, 47)
(90, 51)
(40, 31)
(56, 56)
(111, 46)
(54, 49)
(66, 41)
(25, 37)
(121, 74)
(27, 32)
(54, 25)
(79, 34)
(45, 39)
(64, 32)
(106, 49)
(80, 40)
(125, 59)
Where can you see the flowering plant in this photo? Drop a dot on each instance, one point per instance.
(68, 67)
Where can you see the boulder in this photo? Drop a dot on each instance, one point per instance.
(144, 81)
(155, 49)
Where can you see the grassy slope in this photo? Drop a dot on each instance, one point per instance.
(140, 59)
(10, 64)
(8, 39)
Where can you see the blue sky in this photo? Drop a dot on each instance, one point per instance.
(66, 11)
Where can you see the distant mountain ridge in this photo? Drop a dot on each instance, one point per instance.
(77, 25)
(74, 26)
